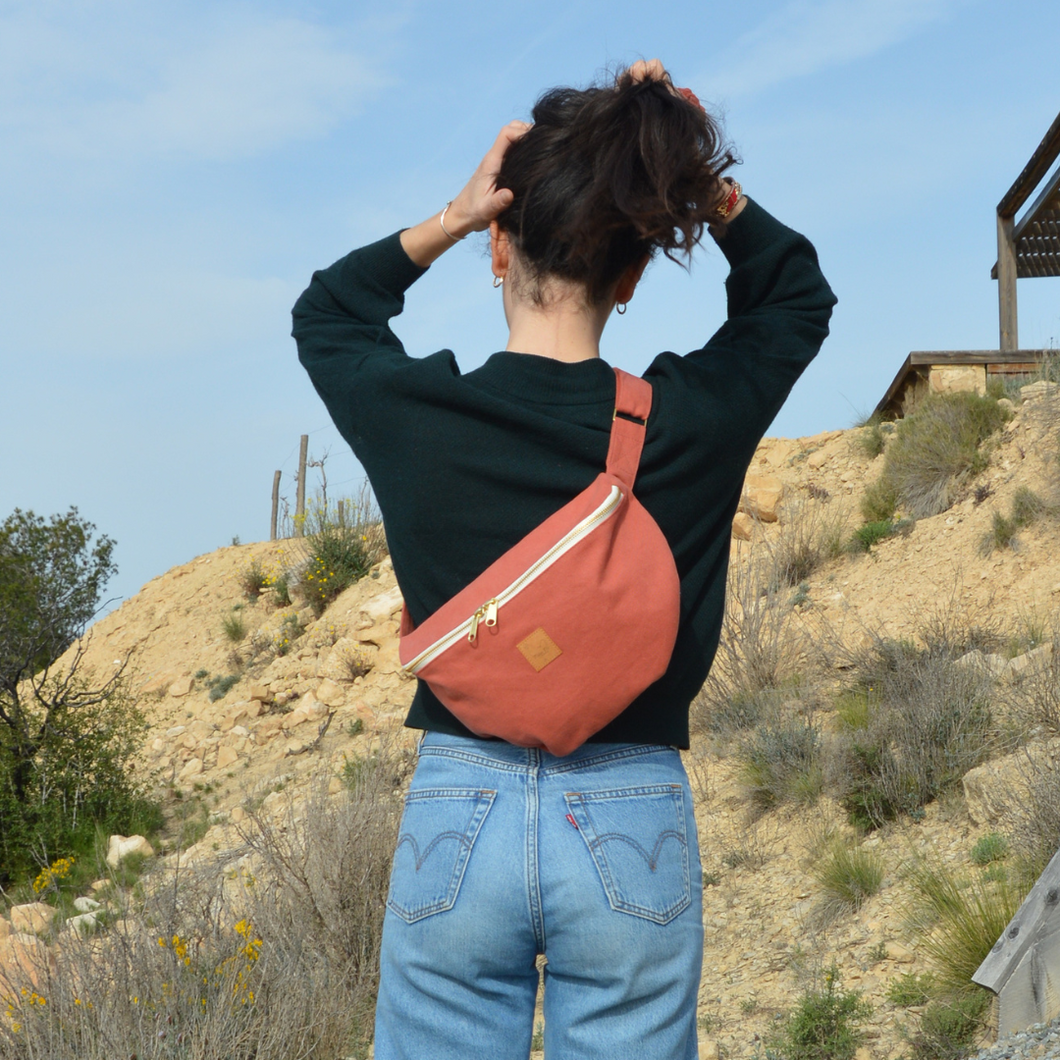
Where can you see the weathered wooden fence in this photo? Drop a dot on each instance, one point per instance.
(1023, 968)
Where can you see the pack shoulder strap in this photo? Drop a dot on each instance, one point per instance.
(632, 400)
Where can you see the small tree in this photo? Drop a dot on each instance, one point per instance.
(65, 739)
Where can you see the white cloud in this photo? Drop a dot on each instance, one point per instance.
(805, 37)
(194, 83)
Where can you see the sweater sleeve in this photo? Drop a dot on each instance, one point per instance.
(342, 323)
(779, 305)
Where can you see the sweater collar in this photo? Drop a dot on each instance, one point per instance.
(546, 381)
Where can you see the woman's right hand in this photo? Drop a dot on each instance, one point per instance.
(480, 200)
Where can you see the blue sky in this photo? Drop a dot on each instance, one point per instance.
(171, 175)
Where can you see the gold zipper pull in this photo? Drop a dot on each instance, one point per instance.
(473, 631)
(491, 613)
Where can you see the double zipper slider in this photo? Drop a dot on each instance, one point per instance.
(487, 611)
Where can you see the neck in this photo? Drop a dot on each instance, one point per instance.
(564, 329)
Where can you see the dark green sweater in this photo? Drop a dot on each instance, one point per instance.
(464, 465)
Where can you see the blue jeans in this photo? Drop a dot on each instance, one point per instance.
(505, 853)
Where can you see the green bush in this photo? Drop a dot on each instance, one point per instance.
(870, 438)
(67, 742)
(824, 1024)
(221, 685)
(910, 988)
(234, 627)
(990, 847)
(254, 579)
(781, 763)
(935, 449)
(1027, 508)
(79, 782)
(871, 534)
(949, 1027)
(848, 873)
(339, 550)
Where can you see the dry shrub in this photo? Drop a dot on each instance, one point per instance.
(1033, 814)
(812, 534)
(759, 653)
(276, 961)
(1034, 696)
(922, 722)
(935, 450)
(780, 762)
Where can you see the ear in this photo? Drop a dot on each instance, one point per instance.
(627, 282)
(500, 250)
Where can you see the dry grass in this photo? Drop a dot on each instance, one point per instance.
(812, 534)
(274, 960)
(957, 921)
(849, 874)
(760, 652)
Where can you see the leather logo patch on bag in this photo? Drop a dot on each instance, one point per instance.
(539, 649)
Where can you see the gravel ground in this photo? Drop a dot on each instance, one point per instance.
(1040, 1042)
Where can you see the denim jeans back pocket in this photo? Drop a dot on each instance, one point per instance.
(637, 840)
(438, 830)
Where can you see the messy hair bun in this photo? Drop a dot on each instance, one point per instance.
(607, 176)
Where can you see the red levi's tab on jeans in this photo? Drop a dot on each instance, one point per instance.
(557, 637)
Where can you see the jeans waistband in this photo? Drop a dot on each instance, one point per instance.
(506, 756)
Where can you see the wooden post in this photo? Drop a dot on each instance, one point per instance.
(1006, 284)
(299, 509)
(342, 515)
(275, 504)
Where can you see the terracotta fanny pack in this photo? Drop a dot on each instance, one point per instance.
(557, 637)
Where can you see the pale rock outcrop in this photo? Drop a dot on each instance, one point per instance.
(33, 918)
(181, 687)
(742, 526)
(86, 905)
(227, 756)
(310, 709)
(330, 693)
(192, 768)
(761, 497)
(384, 605)
(120, 847)
(82, 924)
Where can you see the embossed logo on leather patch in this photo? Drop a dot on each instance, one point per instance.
(539, 649)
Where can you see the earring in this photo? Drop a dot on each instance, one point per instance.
(498, 280)
(621, 308)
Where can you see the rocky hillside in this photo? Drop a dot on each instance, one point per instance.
(245, 696)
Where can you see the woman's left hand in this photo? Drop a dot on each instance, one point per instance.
(479, 202)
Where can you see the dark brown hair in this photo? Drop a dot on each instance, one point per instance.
(607, 176)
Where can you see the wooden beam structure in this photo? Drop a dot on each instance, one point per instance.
(916, 372)
(1030, 247)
